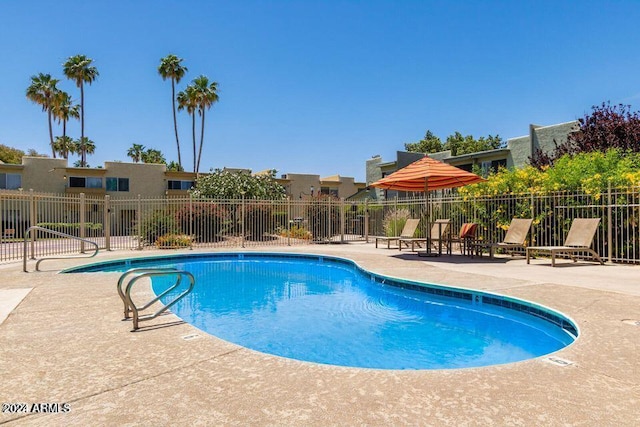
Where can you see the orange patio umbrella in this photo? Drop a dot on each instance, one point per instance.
(425, 175)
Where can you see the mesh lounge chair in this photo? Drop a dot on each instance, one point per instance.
(439, 233)
(407, 233)
(466, 238)
(514, 239)
(578, 240)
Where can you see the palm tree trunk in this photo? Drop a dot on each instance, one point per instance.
(81, 111)
(193, 134)
(82, 153)
(175, 120)
(201, 142)
(53, 150)
(65, 153)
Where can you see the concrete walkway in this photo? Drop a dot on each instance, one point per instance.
(65, 343)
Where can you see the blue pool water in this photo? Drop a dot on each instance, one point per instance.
(327, 310)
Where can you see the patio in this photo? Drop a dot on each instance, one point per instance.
(65, 343)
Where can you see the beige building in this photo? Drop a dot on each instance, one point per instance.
(48, 175)
(119, 179)
(304, 186)
(123, 182)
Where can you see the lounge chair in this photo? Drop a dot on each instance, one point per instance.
(439, 233)
(407, 232)
(465, 238)
(578, 240)
(514, 239)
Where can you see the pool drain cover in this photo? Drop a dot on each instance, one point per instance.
(631, 322)
(558, 361)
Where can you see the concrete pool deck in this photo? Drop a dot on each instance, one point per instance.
(65, 342)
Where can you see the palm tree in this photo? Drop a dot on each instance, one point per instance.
(135, 152)
(188, 99)
(65, 146)
(42, 91)
(79, 69)
(84, 146)
(153, 156)
(63, 110)
(174, 166)
(206, 95)
(170, 68)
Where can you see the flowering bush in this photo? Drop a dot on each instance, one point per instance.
(590, 172)
(296, 232)
(221, 184)
(171, 241)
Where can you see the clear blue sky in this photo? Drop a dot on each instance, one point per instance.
(318, 86)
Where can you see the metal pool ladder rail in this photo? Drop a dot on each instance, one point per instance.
(55, 233)
(141, 273)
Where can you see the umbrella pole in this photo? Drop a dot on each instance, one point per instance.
(427, 249)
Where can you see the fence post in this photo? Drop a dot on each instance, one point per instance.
(329, 219)
(2, 227)
(366, 221)
(83, 219)
(107, 222)
(288, 220)
(139, 221)
(533, 217)
(609, 224)
(342, 220)
(242, 222)
(395, 217)
(191, 217)
(32, 221)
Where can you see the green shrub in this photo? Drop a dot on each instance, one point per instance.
(590, 172)
(208, 220)
(324, 217)
(157, 223)
(258, 220)
(280, 219)
(394, 220)
(296, 232)
(171, 241)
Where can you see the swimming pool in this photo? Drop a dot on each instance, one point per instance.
(328, 310)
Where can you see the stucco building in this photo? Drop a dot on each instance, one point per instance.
(119, 179)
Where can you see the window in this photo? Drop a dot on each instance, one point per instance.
(493, 166)
(10, 181)
(330, 191)
(179, 185)
(117, 184)
(94, 182)
(85, 182)
(497, 164)
(486, 168)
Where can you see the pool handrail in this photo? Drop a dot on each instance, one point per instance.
(140, 270)
(55, 233)
(151, 272)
